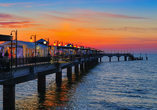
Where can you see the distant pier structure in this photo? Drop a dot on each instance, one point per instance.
(127, 56)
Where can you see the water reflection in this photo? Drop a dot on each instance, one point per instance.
(56, 97)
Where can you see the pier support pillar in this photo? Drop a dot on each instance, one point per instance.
(9, 97)
(89, 64)
(69, 72)
(41, 84)
(100, 59)
(59, 78)
(86, 65)
(118, 58)
(146, 58)
(81, 67)
(125, 58)
(109, 59)
(94, 61)
(76, 70)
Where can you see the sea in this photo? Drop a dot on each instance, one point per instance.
(123, 85)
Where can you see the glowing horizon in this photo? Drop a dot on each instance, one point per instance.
(102, 24)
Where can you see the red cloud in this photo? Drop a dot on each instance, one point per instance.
(18, 21)
(23, 24)
(10, 17)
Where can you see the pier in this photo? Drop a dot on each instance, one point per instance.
(27, 69)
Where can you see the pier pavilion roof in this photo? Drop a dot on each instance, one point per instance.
(29, 45)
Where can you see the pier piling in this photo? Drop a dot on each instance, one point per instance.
(81, 67)
(69, 72)
(41, 84)
(59, 78)
(9, 97)
(109, 59)
(76, 69)
(125, 58)
(118, 58)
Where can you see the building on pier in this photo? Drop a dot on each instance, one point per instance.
(24, 49)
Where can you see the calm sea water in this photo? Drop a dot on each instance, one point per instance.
(130, 85)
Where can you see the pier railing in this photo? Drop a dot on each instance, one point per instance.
(5, 63)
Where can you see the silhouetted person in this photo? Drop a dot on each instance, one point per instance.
(6, 54)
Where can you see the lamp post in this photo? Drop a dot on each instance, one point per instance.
(35, 44)
(55, 43)
(16, 43)
(60, 43)
(47, 44)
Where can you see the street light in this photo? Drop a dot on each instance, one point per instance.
(47, 43)
(60, 43)
(66, 44)
(16, 43)
(35, 44)
(55, 43)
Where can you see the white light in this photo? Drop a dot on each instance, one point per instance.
(44, 42)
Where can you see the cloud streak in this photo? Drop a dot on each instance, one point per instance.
(11, 4)
(13, 21)
(22, 24)
(64, 18)
(132, 29)
(103, 14)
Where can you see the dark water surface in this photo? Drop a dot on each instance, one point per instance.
(130, 85)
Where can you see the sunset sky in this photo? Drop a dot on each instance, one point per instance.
(103, 24)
